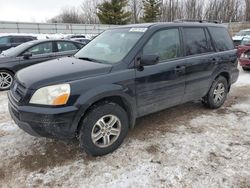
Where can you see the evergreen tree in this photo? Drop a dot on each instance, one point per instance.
(112, 12)
(151, 10)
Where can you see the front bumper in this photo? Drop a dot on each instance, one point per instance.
(44, 122)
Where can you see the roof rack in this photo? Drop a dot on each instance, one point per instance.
(199, 21)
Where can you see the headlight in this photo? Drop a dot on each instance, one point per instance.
(51, 95)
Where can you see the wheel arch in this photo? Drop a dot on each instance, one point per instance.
(6, 69)
(122, 99)
(226, 75)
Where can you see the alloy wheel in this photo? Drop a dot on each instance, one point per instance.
(219, 93)
(6, 80)
(106, 131)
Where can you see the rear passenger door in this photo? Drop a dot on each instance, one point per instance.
(200, 61)
(226, 53)
(162, 85)
(66, 48)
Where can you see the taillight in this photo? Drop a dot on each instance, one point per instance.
(247, 56)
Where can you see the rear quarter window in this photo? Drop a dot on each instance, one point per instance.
(221, 38)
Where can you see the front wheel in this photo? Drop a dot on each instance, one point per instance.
(103, 129)
(217, 93)
(6, 80)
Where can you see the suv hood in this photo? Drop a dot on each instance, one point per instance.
(60, 71)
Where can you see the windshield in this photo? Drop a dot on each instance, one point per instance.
(243, 33)
(245, 41)
(13, 52)
(112, 45)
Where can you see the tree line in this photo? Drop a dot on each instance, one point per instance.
(139, 11)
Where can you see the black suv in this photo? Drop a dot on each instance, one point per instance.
(10, 41)
(123, 74)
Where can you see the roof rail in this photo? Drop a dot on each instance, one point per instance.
(199, 21)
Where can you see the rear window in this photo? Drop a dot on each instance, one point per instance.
(197, 41)
(18, 40)
(28, 39)
(221, 38)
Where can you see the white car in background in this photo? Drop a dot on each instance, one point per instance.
(239, 36)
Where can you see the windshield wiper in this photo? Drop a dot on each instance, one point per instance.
(88, 59)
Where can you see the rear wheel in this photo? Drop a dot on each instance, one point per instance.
(6, 80)
(217, 93)
(103, 129)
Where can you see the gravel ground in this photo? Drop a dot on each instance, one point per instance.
(184, 146)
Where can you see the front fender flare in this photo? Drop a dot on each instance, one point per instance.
(94, 95)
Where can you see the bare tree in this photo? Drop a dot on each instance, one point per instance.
(172, 10)
(247, 10)
(68, 15)
(136, 9)
(89, 11)
(194, 9)
(224, 10)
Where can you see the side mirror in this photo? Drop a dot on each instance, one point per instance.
(147, 60)
(27, 55)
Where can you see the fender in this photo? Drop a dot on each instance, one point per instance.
(96, 94)
(223, 69)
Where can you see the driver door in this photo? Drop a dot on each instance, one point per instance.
(161, 85)
(40, 53)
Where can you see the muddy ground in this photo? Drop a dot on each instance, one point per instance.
(184, 146)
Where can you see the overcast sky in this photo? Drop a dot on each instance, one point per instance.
(33, 10)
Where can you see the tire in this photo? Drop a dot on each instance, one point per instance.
(6, 80)
(212, 100)
(93, 127)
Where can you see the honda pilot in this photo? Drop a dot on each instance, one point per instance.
(124, 73)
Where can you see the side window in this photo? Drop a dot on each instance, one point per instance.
(4, 40)
(196, 41)
(42, 48)
(221, 38)
(28, 39)
(165, 44)
(17, 40)
(66, 46)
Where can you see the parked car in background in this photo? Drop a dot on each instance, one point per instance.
(72, 36)
(10, 41)
(239, 36)
(244, 53)
(123, 74)
(82, 40)
(31, 53)
(244, 45)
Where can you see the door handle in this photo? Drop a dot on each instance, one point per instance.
(180, 69)
(215, 61)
